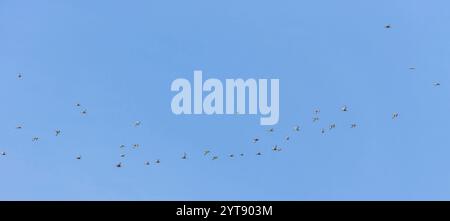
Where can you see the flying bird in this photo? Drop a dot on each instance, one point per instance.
(78, 104)
(316, 111)
(84, 112)
(231, 155)
(137, 123)
(394, 115)
(35, 139)
(255, 140)
(436, 84)
(184, 157)
(78, 157)
(241, 154)
(271, 130)
(19, 76)
(315, 119)
(158, 161)
(3, 153)
(119, 165)
(387, 26)
(215, 158)
(344, 108)
(122, 146)
(259, 154)
(353, 126)
(323, 131)
(287, 138)
(18, 127)
(122, 155)
(276, 148)
(206, 152)
(147, 163)
(57, 132)
(135, 146)
(332, 126)
(297, 128)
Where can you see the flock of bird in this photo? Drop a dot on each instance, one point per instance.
(207, 152)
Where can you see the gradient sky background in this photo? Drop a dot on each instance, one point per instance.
(119, 58)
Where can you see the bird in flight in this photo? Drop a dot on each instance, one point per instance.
(3, 153)
(412, 68)
(436, 84)
(19, 76)
(316, 111)
(147, 163)
(323, 131)
(122, 146)
(287, 138)
(78, 157)
(157, 161)
(231, 155)
(241, 154)
(271, 130)
(394, 115)
(123, 155)
(35, 139)
(119, 165)
(255, 140)
(332, 126)
(315, 119)
(215, 158)
(78, 104)
(276, 148)
(387, 26)
(135, 146)
(18, 127)
(353, 126)
(84, 112)
(57, 132)
(184, 157)
(344, 108)
(259, 154)
(297, 128)
(206, 152)
(137, 123)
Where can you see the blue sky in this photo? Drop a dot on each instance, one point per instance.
(119, 58)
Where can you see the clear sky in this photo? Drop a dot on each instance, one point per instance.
(118, 59)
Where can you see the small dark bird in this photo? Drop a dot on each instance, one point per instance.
(412, 68)
(297, 128)
(19, 75)
(135, 146)
(119, 165)
(123, 155)
(122, 146)
(344, 108)
(206, 152)
(323, 131)
(79, 157)
(394, 115)
(332, 126)
(231, 155)
(255, 140)
(158, 161)
(315, 119)
(84, 112)
(3, 153)
(271, 130)
(78, 104)
(287, 138)
(137, 123)
(241, 154)
(215, 158)
(184, 157)
(316, 111)
(353, 126)
(387, 26)
(57, 132)
(259, 154)
(19, 127)
(35, 139)
(147, 163)
(276, 148)
(436, 84)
